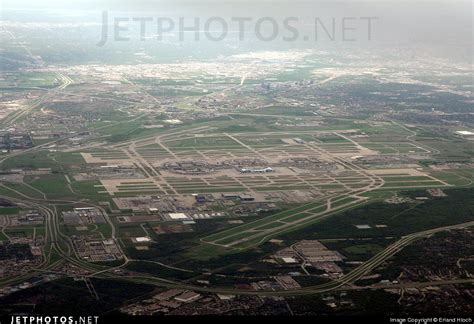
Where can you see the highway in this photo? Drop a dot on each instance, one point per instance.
(374, 182)
(15, 116)
(59, 249)
(340, 284)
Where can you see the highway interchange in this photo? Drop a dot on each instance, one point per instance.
(59, 248)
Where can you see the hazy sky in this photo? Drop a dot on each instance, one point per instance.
(90, 3)
(437, 23)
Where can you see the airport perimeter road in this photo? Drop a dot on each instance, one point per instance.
(254, 233)
(341, 284)
(59, 248)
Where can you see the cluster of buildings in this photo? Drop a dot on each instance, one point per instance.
(257, 170)
(238, 196)
(185, 302)
(15, 141)
(191, 167)
(20, 256)
(314, 254)
(162, 303)
(32, 217)
(110, 172)
(436, 193)
(27, 218)
(97, 250)
(279, 283)
(153, 204)
(83, 216)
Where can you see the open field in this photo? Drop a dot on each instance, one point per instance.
(329, 153)
(233, 173)
(342, 169)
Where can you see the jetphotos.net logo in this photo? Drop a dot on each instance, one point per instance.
(54, 320)
(120, 28)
